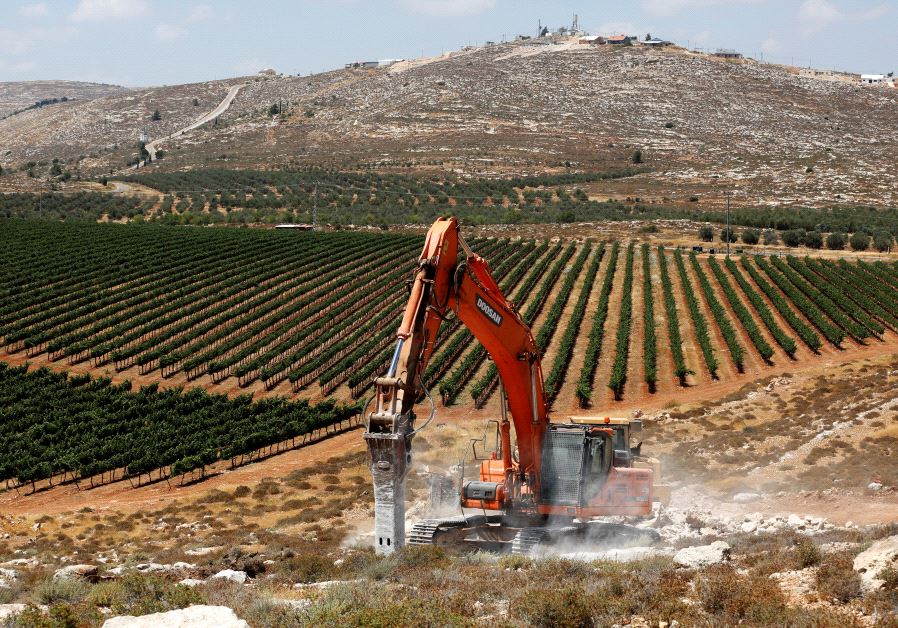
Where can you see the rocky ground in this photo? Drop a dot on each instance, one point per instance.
(93, 136)
(745, 537)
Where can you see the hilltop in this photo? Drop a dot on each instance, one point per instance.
(17, 96)
(703, 124)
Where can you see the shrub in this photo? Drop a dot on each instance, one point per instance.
(515, 562)
(770, 237)
(808, 554)
(214, 496)
(836, 241)
(241, 491)
(728, 235)
(548, 607)
(750, 236)
(669, 125)
(890, 577)
(794, 237)
(308, 568)
(755, 599)
(59, 616)
(860, 241)
(52, 591)
(423, 556)
(637, 157)
(706, 234)
(141, 594)
(813, 240)
(156, 116)
(837, 579)
(882, 241)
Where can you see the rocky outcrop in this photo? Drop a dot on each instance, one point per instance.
(871, 563)
(703, 555)
(191, 617)
(77, 572)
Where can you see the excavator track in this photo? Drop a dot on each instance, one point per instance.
(527, 539)
(423, 532)
(426, 531)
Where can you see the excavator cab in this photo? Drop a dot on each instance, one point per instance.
(627, 454)
(576, 461)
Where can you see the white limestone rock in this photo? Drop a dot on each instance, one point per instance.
(703, 555)
(190, 617)
(870, 563)
(230, 574)
(76, 572)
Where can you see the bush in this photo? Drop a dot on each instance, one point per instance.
(423, 556)
(753, 600)
(836, 241)
(308, 568)
(860, 241)
(141, 594)
(59, 616)
(706, 234)
(728, 235)
(882, 241)
(890, 577)
(808, 554)
(52, 591)
(794, 237)
(750, 236)
(547, 607)
(770, 237)
(837, 579)
(813, 240)
(515, 562)
(637, 157)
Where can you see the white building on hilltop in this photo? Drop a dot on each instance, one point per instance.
(878, 80)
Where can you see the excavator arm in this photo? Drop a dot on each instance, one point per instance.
(445, 284)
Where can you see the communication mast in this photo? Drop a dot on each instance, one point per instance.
(575, 26)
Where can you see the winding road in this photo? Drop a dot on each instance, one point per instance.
(223, 106)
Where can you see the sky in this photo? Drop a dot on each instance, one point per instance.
(167, 42)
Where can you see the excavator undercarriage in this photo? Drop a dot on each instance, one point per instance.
(500, 534)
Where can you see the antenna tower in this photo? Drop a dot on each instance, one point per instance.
(575, 27)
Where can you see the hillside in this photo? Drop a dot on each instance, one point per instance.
(771, 136)
(93, 136)
(19, 95)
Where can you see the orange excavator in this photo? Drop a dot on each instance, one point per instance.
(558, 477)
